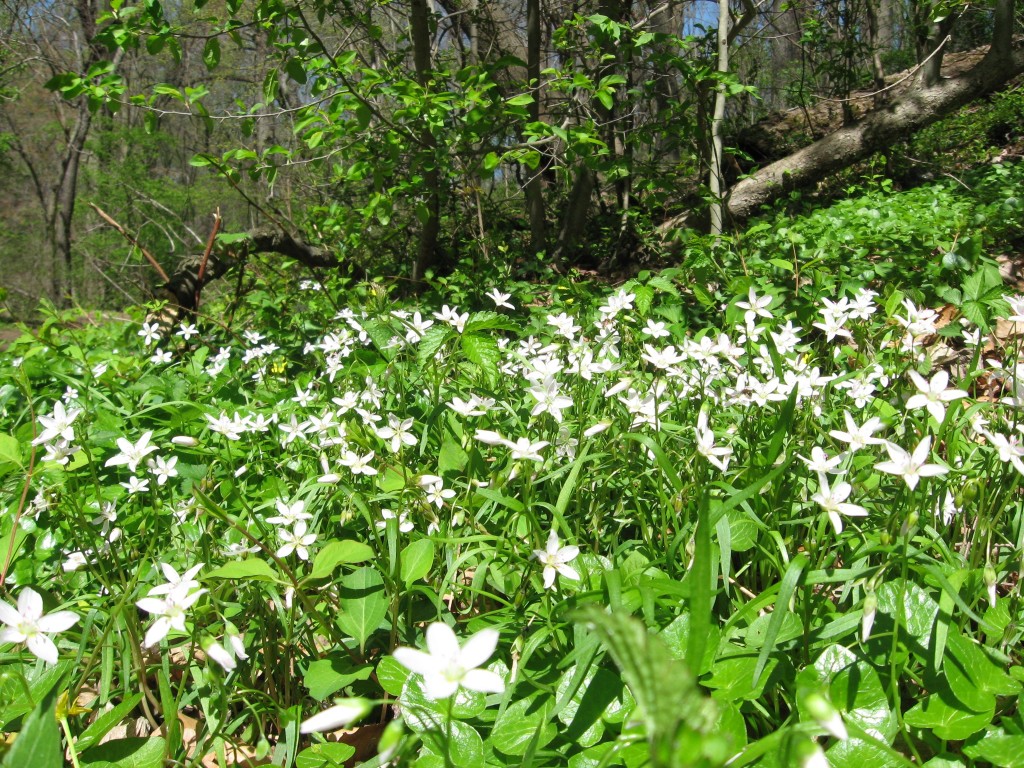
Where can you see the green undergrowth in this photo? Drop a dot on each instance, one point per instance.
(514, 524)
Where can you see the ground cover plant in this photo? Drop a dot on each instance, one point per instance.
(544, 526)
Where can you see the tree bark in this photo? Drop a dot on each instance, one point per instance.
(534, 183)
(877, 130)
(426, 255)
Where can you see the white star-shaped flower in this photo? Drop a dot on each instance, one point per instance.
(933, 394)
(446, 665)
(910, 466)
(556, 559)
(28, 625)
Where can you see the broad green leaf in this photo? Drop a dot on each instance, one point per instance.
(488, 321)
(997, 748)
(677, 635)
(523, 726)
(14, 701)
(364, 603)
(431, 342)
(126, 753)
(484, 352)
(947, 717)
(452, 457)
(459, 741)
(250, 569)
(325, 677)
(38, 743)
(417, 560)
(732, 678)
(339, 552)
(582, 712)
(391, 675)
(520, 100)
(854, 689)
(593, 757)
(917, 612)
(860, 753)
(979, 668)
(325, 755)
(10, 450)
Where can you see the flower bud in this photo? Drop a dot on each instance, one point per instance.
(826, 715)
(868, 619)
(990, 584)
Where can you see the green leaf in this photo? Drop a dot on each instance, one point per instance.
(10, 450)
(664, 688)
(858, 753)
(786, 589)
(916, 612)
(458, 740)
(484, 352)
(852, 686)
(105, 722)
(520, 100)
(339, 552)
(997, 748)
(250, 569)
(325, 677)
(605, 97)
(417, 560)
(947, 717)
(211, 53)
(523, 726)
(363, 602)
(13, 700)
(325, 755)
(431, 342)
(127, 753)
(491, 161)
(582, 713)
(452, 457)
(391, 675)
(732, 678)
(38, 743)
(296, 71)
(489, 321)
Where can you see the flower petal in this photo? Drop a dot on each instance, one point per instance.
(479, 648)
(441, 642)
(43, 647)
(484, 681)
(57, 622)
(30, 604)
(415, 661)
(341, 714)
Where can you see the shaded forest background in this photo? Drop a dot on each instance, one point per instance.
(411, 138)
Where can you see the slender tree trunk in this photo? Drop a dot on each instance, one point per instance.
(61, 217)
(717, 182)
(426, 255)
(534, 182)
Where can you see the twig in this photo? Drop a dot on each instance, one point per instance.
(206, 256)
(132, 240)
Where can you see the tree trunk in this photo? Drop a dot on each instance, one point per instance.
(534, 182)
(426, 255)
(877, 130)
